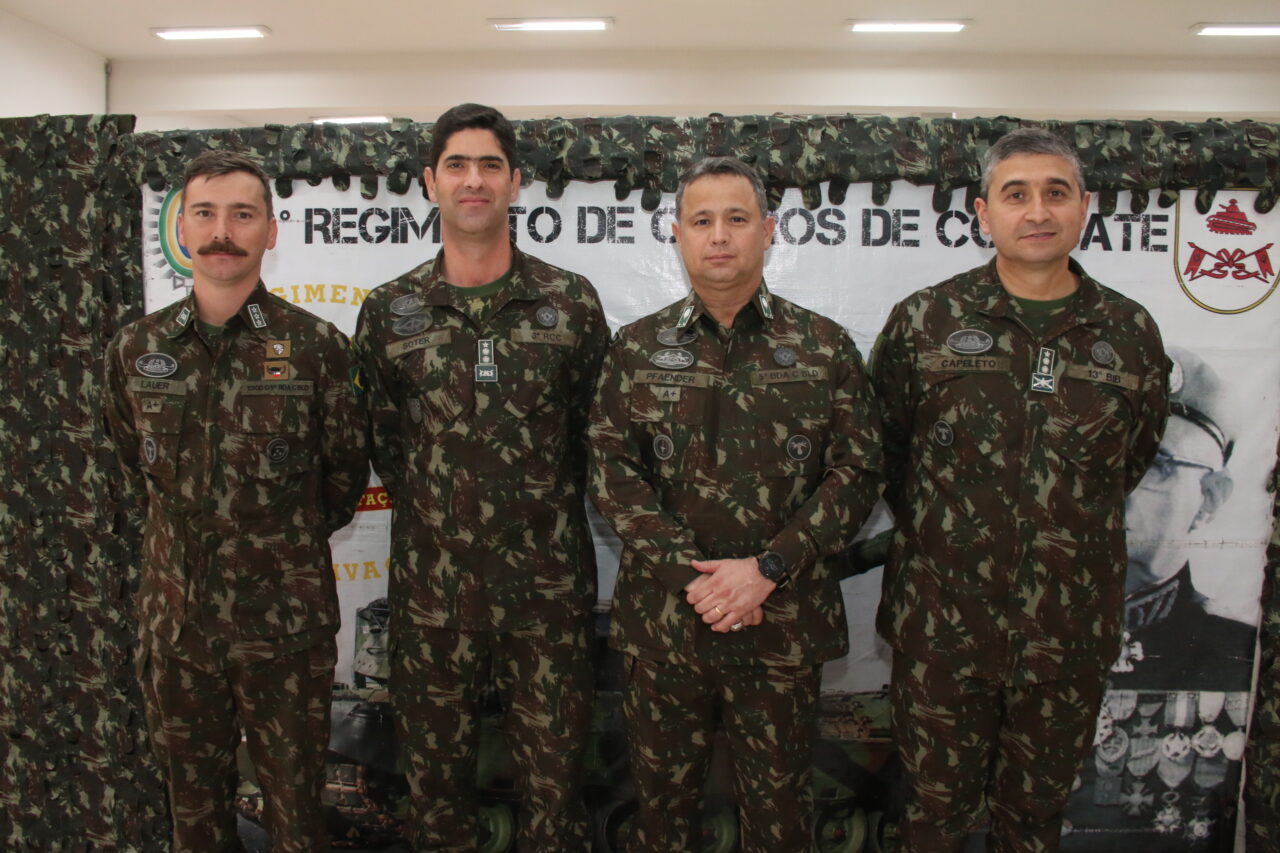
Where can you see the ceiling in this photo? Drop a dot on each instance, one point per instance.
(120, 29)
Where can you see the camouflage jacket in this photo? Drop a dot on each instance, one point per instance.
(711, 443)
(247, 458)
(1008, 460)
(479, 435)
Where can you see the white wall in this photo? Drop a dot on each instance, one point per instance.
(251, 91)
(45, 73)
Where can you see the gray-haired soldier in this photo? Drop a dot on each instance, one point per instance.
(1022, 401)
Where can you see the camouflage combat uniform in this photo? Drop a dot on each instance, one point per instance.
(767, 439)
(247, 452)
(479, 435)
(1008, 460)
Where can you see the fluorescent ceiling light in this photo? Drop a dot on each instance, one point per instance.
(1237, 29)
(352, 120)
(190, 33)
(550, 24)
(906, 26)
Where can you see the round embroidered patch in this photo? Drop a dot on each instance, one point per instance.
(547, 316)
(943, 435)
(277, 449)
(799, 447)
(663, 447)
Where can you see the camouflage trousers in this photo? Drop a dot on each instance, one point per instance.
(544, 678)
(965, 740)
(195, 715)
(768, 715)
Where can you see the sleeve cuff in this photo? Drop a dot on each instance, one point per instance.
(796, 549)
(674, 569)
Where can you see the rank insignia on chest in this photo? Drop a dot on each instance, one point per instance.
(275, 370)
(279, 349)
(1042, 379)
(486, 367)
(255, 315)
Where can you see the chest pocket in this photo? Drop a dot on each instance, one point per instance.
(274, 435)
(437, 381)
(159, 422)
(536, 371)
(793, 419)
(1092, 423)
(670, 422)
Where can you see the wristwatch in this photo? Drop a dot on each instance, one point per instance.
(772, 567)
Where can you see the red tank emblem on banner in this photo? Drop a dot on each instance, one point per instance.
(1232, 262)
(1219, 262)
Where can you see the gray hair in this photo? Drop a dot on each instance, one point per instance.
(723, 166)
(1029, 140)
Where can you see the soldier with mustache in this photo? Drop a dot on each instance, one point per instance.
(240, 436)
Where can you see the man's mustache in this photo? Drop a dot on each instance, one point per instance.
(221, 247)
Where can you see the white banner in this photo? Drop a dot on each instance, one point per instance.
(1208, 289)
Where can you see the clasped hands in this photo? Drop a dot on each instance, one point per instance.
(729, 593)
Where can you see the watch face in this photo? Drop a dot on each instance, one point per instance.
(771, 566)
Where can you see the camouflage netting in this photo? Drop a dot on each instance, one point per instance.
(649, 152)
(76, 767)
(76, 773)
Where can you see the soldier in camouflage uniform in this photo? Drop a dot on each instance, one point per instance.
(1022, 401)
(481, 365)
(736, 445)
(239, 431)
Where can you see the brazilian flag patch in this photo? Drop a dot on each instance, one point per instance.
(357, 381)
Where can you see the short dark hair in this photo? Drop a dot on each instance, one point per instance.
(215, 163)
(466, 117)
(1029, 140)
(723, 166)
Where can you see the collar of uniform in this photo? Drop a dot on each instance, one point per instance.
(255, 312)
(761, 301)
(436, 291)
(1151, 606)
(184, 315)
(691, 309)
(765, 304)
(995, 301)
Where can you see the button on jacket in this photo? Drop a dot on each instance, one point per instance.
(247, 457)
(711, 443)
(1008, 461)
(479, 435)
